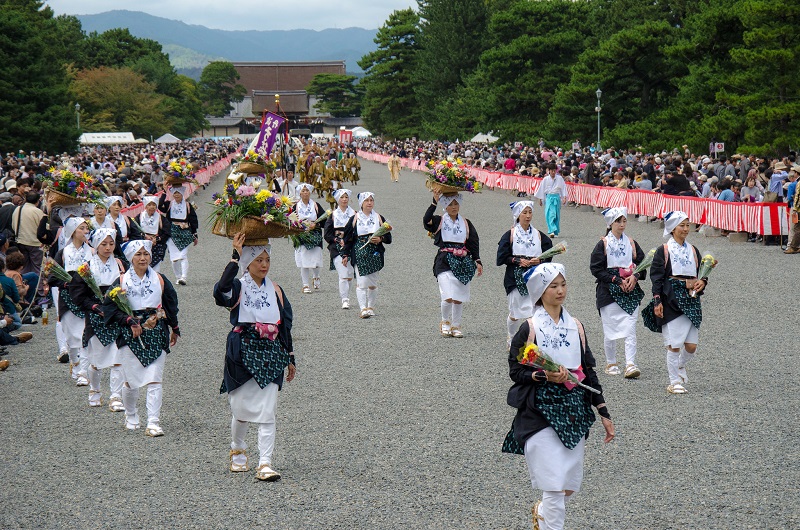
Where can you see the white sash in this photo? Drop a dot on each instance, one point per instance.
(340, 217)
(526, 243)
(104, 273)
(619, 252)
(144, 292)
(307, 211)
(367, 224)
(454, 231)
(561, 341)
(75, 257)
(259, 303)
(682, 258)
(177, 210)
(149, 223)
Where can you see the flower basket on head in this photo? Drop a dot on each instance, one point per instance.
(252, 162)
(56, 198)
(251, 167)
(179, 172)
(65, 188)
(449, 178)
(173, 180)
(259, 214)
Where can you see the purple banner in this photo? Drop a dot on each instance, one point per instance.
(265, 140)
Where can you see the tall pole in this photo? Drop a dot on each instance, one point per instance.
(598, 93)
(78, 114)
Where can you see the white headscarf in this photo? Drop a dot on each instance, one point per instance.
(132, 247)
(304, 186)
(672, 220)
(612, 214)
(147, 199)
(71, 225)
(518, 207)
(251, 253)
(98, 236)
(538, 278)
(341, 191)
(70, 211)
(445, 200)
(363, 196)
(112, 199)
(178, 189)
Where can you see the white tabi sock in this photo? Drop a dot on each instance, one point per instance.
(458, 309)
(130, 399)
(553, 510)
(266, 442)
(372, 297)
(447, 311)
(154, 394)
(344, 289)
(115, 380)
(361, 294)
(610, 347)
(238, 433)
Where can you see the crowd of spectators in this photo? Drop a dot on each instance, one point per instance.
(127, 171)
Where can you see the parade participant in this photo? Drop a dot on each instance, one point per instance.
(457, 260)
(552, 421)
(259, 349)
(367, 260)
(353, 169)
(146, 337)
(552, 194)
(156, 228)
(183, 232)
(76, 252)
(99, 338)
(677, 314)
(334, 234)
(519, 250)
(100, 219)
(394, 167)
(317, 176)
(618, 293)
(308, 254)
(126, 229)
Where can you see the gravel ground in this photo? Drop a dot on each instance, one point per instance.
(388, 425)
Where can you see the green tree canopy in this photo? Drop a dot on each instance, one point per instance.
(338, 94)
(218, 87)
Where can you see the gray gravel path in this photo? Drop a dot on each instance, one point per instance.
(390, 426)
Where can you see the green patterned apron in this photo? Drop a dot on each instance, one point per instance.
(310, 240)
(566, 411)
(182, 237)
(264, 359)
(627, 301)
(463, 268)
(368, 259)
(155, 340)
(689, 306)
(105, 333)
(70, 303)
(519, 279)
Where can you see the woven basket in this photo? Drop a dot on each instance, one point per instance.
(254, 229)
(56, 198)
(251, 167)
(444, 189)
(173, 180)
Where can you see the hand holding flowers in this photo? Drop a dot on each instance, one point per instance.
(531, 355)
(382, 230)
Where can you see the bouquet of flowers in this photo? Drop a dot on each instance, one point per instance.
(531, 355)
(78, 186)
(554, 251)
(646, 262)
(120, 298)
(51, 268)
(452, 174)
(238, 201)
(180, 168)
(85, 272)
(299, 239)
(707, 264)
(382, 230)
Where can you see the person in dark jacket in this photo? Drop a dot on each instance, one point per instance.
(183, 232)
(457, 261)
(553, 415)
(519, 250)
(618, 293)
(259, 350)
(334, 234)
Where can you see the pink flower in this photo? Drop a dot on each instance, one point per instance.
(245, 191)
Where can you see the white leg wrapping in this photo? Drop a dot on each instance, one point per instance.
(344, 289)
(361, 294)
(176, 268)
(115, 381)
(74, 355)
(305, 277)
(266, 442)
(673, 362)
(447, 311)
(553, 510)
(513, 326)
(83, 362)
(94, 378)
(154, 394)
(238, 433)
(130, 399)
(610, 347)
(61, 337)
(458, 309)
(185, 268)
(372, 297)
(630, 349)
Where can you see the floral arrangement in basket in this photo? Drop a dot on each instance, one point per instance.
(78, 186)
(181, 169)
(248, 162)
(453, 174)
(237, 202)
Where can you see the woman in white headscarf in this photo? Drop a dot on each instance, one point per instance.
(618, 293)
(127, 230)
(553, 416)
(308, 252)
(145, 337)
(673, 311)
(100, 219)
(156, 229)
(99, 338)
(334, 235)
(183, 229)
(259, 349)
(456, 262)
(367, 260)
(519, 250)
(75, 253)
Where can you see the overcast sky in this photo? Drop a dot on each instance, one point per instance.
(250, 14)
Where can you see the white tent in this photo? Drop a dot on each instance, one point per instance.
(168, 139)
(361, 132)
(484, 138)
(107, 138)
(142, 141)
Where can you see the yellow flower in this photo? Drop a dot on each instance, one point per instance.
(263, 195)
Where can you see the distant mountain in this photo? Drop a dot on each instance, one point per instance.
(199, 44)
